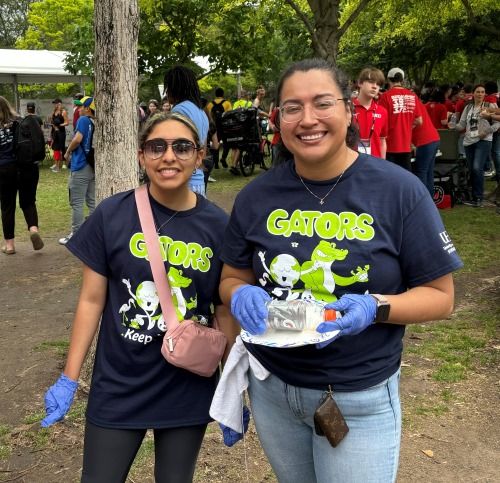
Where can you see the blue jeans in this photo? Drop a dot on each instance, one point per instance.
(476, 155)
(425, 158)
(81, 185)
(283, 417)
(461, 151)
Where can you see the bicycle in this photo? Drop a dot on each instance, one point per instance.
(242, 131)
(252, 154)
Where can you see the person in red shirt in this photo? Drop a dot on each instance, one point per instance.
(370, 117)
(76, 111)
(427, 141)
(276, 134)
(446, 90)
(404, 110)
(437, 110)
(491, 90)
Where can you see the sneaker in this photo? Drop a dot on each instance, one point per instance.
(36, 240)
(211, 180)
(65, 240)
(474, 203)
(223, 163)
(54, 170)
(54, 166)
(489, 174)
(234, 171)
(64, 166)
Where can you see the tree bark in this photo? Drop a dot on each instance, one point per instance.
(326, 32)
(116, 31)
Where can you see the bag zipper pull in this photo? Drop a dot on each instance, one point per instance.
(170, 344)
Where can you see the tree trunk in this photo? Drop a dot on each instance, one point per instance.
(116, 31)
(325, 42)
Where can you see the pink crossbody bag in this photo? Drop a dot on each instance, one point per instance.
(186, 344)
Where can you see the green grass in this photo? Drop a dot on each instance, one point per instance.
(60, 347)
(4, 441)
(54, 212)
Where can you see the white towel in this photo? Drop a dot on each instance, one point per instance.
(227, 404)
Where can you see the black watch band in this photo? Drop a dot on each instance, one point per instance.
(383, 308)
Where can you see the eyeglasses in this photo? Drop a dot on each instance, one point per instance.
(321, 109)
(183, 148)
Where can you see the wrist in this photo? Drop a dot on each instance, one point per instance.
(382, 310)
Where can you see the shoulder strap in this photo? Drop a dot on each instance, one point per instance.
(155, 259)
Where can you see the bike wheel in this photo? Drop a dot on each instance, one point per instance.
(246, 163)
(267, 154)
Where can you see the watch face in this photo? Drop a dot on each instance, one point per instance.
(383, 308)
(383, 312)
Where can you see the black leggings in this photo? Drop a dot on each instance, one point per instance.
(108, 454)
(12, 180)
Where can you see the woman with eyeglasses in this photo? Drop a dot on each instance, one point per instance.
(358, 234)
(133, 387)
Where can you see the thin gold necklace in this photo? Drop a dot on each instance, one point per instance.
(163, 224)
(322, 200)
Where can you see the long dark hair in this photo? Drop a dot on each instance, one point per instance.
(180, 85)
(342, 82)
(7, 113)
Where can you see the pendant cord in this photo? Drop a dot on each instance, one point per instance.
(321, 200)
(163, 224)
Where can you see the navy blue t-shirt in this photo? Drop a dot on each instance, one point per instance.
(133, 386)
(378, 231)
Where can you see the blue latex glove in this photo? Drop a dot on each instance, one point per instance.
(247, 305)
(58, 400)
(230, 435)
(359, 312)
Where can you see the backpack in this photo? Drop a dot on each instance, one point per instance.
(217, 112)
(89, 156)
(29, 141)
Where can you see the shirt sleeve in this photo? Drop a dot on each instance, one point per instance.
(427, 251)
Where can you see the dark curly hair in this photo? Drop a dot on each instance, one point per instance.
(180, 85)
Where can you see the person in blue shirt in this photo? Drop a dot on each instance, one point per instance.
(133, 387)
(183, 92)
(357, 233)
(81, 181)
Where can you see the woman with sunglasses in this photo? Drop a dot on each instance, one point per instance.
(133, 387)
(357, 233)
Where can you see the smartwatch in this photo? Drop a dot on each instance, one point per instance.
(383, 308)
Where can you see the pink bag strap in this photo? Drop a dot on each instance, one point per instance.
(160, 276)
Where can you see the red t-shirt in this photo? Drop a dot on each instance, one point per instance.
(425, 133)
(450, 107)
(403, 107)
(372, 124)
(437, 113)
(277, 135)
(491, 98)
(76, 115)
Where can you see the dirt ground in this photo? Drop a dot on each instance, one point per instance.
(38, 296)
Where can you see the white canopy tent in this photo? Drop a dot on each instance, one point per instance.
(35, 66)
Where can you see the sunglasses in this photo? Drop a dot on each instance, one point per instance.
(183, 149)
